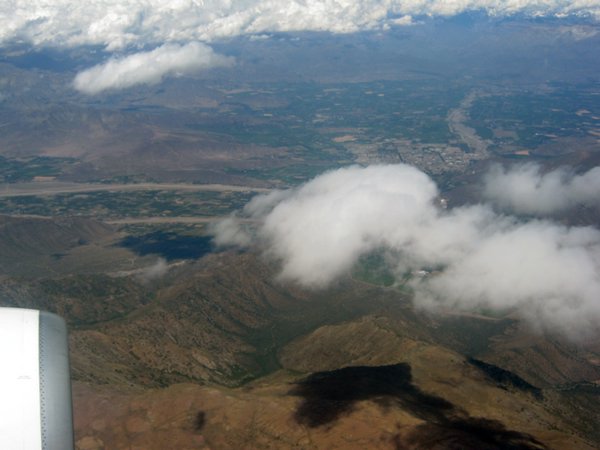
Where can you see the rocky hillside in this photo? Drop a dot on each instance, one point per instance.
(215, 353)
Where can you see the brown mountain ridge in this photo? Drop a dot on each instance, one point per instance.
(218, 354)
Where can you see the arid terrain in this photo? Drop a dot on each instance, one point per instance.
(217, 354)
(162, 219)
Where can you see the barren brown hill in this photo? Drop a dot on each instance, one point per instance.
(218, 354)
(396, 406)
(38, 247)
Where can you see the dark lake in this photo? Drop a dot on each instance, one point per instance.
(169, 245)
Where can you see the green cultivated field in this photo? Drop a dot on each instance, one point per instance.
(112, 205)
(533, 119)
(13, 170)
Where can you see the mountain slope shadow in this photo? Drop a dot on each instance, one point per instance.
(327, 396)
(505, 378)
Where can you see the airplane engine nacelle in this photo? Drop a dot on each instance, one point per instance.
(35, 386)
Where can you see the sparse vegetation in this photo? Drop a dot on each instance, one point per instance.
(13, 170)
(216, 331)
(113, 205)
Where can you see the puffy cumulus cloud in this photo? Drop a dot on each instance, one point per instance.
(148, 67)
(118, 24)
(549, 273)
(320, 231)
(476, 258)
(524, 189)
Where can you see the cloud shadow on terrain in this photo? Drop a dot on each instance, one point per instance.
(327, 396)
(169, 245)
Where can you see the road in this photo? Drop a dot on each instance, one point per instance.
(55, 187)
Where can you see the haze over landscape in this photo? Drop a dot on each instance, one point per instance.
(310, 224)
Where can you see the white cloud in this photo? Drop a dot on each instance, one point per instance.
(525, 190)
(228, 232)
(157, 270)
(320, 231)
(119, 24)
(547, 272)
(403, 21)
(148, 67)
